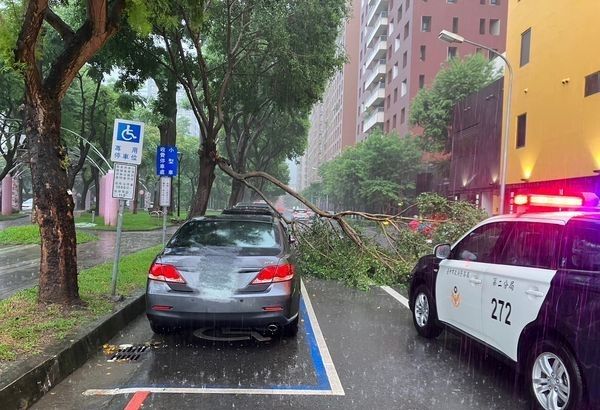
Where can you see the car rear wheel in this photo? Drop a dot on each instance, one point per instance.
(160, 328)
(291, 329)
(554, 378)
(425, 314)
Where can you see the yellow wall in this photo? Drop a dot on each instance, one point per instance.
(563, 127)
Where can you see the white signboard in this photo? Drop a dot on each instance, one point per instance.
(128, 141)
(124, 181)
(165, 191)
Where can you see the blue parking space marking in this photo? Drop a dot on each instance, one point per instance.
(327, 380)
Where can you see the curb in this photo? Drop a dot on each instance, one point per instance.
(35, 377)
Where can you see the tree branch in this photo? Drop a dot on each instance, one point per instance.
(58, 24)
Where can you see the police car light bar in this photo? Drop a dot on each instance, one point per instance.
(556, 201)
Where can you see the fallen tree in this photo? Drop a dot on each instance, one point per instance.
(395, 241)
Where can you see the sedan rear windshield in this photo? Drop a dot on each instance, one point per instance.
(241, 234)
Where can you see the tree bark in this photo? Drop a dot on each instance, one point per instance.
(53, 202)
(237, 191)
(206, 177)
(86, 186)
(166, 106)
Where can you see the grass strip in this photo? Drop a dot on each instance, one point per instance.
(30, 235)
(27, 327)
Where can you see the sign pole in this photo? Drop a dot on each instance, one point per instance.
(115, 271)
(164, 239)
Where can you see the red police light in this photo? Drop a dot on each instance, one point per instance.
(555, 201)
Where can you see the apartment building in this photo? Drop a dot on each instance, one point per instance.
(333, 120)
(400, 52)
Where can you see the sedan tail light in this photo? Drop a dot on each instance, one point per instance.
(165, 273)
(274, 273)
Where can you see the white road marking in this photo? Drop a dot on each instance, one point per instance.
(335, 384)
(207, 390)
(396, 295)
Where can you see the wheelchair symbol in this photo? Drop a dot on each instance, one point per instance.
(128, 134)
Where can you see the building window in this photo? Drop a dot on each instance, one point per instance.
(394, 121)
(387, 126)
(492, 54)
(494, 27)
(395, 72)
(389, 52)
(395, 94)
(404, 59)
(481, 26)
(421, 81)
(407, 4)
(406, 29)
(521, 130)
(592, 84)
(525, 47)
(389, 76)
(403, 88)
(389, 97)
(422, 53)
(426, 23)
(451, 52)
(455, 24)
(397, 43)
(399, 14)
(402, 116)
(451, 1)
(481, 1)
(391, 27)
(495, 2)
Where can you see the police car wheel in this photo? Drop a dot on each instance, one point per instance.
(425, 314)
(554, 378)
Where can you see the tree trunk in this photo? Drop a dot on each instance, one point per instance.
(166, 107)
(53, 202)
(136, 193)
(84, 193)
(206, 177)
(96, 179)
(237, 191)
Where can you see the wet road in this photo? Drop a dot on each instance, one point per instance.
(15, 222)
(377, 362)
(19, 265)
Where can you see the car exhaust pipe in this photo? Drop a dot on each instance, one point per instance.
(273, 329)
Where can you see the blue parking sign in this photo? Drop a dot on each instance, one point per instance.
(166, 161)
(127, 143)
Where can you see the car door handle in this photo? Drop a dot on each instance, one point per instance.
(475, 281)
(535, 293)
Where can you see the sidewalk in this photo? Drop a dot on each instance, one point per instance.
(26, 219)
(19, 265)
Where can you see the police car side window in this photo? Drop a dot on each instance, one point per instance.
(532, 245)
(582, 247)
(481, 244)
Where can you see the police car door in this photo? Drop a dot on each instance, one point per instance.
(459, 279)
(515, 287)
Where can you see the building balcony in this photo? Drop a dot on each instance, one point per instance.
(376, 97)
(375, 119)
(377, 52)
(380, 27)
(376, 75)
(376, 6)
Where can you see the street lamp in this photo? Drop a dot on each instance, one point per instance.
(179, 157)
(450, 37)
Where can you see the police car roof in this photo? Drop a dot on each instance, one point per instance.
(560, 216)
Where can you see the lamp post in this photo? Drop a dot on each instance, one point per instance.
(450, 37)
(179, 158)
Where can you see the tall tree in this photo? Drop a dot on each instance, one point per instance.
(44, 91)
(432, 107)
(206, 55)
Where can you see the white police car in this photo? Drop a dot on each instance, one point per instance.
(526, 285)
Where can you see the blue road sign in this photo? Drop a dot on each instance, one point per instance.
(166, 161)
(127, 144)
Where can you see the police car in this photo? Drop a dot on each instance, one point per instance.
(526, 285)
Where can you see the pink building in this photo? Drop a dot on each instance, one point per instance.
(400, 52)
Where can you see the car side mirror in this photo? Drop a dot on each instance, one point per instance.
(442, 251)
